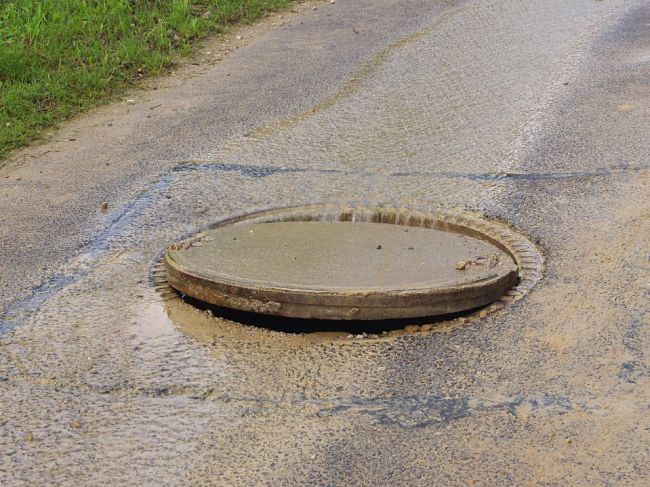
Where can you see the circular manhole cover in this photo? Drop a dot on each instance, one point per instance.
(342, 269)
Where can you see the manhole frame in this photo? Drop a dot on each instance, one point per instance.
(528, 260)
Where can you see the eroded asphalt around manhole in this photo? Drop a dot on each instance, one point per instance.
(534, 115)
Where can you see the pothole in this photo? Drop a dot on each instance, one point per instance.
(353, 270)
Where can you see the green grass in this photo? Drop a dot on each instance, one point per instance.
(59, 57)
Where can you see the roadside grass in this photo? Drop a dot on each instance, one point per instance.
(59, 57)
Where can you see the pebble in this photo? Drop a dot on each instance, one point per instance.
(426, 328)
(412, 328)
(130, 101)
(462, 265)
(104, 206)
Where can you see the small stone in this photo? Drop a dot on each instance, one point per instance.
(239, 38)
(412, 328)
(349, 337)
(130, 101)
(483, 313)
(426, 328)
(332, 2)
(104, 206)
(29, 437)
(462, 265)
(75, 424)
(378, 247)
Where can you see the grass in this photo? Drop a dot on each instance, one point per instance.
(59, 57)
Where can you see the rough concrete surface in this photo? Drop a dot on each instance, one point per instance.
(535, 113)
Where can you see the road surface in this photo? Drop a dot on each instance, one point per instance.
(533, 113)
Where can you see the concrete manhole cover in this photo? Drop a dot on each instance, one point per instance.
(353, 263)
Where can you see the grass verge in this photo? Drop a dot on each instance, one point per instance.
(59, 57)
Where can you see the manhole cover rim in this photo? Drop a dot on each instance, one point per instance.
(231, 284)
(269, 301)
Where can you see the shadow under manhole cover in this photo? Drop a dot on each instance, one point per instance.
(326, 267)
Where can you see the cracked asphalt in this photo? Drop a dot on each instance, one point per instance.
(535, 114)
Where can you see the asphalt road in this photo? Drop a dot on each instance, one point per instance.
(533, 113)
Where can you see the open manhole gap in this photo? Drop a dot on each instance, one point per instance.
(362, 328)
(462, 222)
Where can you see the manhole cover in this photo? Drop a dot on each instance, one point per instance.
(358, 266)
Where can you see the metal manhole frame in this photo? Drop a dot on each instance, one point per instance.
(528, 259)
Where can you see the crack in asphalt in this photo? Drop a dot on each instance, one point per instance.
(408, 412)
(253, 171)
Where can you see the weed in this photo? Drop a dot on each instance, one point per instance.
(59, 57)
